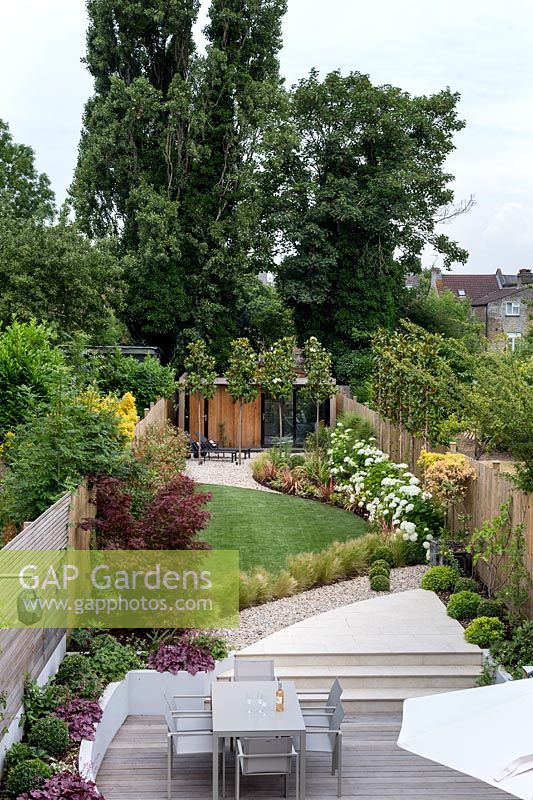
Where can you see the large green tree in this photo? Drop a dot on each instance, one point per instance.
(53, 273)
(48, 269)
(362, 184)
(167, 157)
(24, 192)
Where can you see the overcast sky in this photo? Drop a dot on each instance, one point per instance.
(481, 48)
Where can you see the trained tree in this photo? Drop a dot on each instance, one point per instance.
(320, 384)
(361, 188)
(200, 379)
(242, 378)
(276, 374)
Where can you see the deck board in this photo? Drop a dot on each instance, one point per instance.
(134, 768)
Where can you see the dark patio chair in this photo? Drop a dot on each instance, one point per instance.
(212, 448)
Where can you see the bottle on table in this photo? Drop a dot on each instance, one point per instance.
(280, 698)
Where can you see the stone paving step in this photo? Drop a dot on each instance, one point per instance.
(473, 657)
(397, 676)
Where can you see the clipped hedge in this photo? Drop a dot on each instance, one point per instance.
(380, 583)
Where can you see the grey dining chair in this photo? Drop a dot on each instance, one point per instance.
(190, 733)
(329, 740)
(266, 756)
(247, 669)
(317, 715)
(189, 702)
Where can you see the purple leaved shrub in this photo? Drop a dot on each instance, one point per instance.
(64, 786)
(181, 657)
(81, 716)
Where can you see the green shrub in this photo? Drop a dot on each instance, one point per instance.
(463, 605)
(359, 427)
(440, 579)
(21, 751)
(296, 461)
(77, 673)
(467, 585)
(111, 660)
(51, 734)
(492, 608)
(379, 571)
(146, 380)
(517, 651)
(380, 583)
(41, 700)
(414, 553)
(216, 646)
(380, 564)
(383, 554)
(25, 776)
(485, 631)
(32, 368)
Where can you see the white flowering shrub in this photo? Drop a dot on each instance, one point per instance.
(386, 492)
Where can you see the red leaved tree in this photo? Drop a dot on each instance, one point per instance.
(172, 521)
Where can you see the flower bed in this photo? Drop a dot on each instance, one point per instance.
(70, 713)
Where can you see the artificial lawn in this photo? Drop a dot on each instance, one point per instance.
(266, 527)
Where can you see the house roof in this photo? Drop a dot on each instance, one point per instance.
(473, 286)
(493, 297)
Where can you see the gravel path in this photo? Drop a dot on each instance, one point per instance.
(223, 472)
(260, 621)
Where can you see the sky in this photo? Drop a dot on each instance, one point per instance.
(480, 48)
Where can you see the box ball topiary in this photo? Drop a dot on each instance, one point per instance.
(51, 734)
(380, 583)
(485, 631)
(463, 605)
(492, 608)
(25, 776)
(383, 554)
(379, 570)
(466, 585)
(440, 579)
(76, 672)
(380, 564)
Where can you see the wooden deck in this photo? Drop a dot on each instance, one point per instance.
(134, 768)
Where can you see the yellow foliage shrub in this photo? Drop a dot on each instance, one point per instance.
(123, 408)
(446, 475)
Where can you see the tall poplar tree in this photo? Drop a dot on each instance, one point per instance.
(167, 156)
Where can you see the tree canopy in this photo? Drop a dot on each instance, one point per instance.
(167, 157)
(362, 183)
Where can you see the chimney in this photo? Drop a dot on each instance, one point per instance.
(524, 277)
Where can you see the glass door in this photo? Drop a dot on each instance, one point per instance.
(270, 421)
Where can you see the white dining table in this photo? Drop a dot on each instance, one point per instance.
(237, 714)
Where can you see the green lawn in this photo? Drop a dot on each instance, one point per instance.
(267, 527)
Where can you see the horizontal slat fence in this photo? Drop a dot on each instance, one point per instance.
(485, 495)
(26, 652)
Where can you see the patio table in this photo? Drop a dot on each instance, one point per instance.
(232, 718)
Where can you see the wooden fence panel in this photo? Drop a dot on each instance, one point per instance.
(485, 494)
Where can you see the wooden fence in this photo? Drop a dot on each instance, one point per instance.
(24, 653)
(485, 494)
(157, 414)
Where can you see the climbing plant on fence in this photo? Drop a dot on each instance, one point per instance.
(414, 385)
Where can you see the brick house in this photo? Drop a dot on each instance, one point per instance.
(502, 303)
